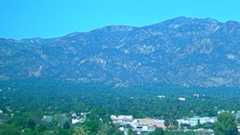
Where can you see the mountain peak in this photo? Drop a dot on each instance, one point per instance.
(190, 20)
(116, 28)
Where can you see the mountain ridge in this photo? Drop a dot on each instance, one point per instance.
(180, 51)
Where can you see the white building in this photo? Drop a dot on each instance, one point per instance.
(182, 99)
(161, 96)
(194, 121)
(78, 119)
(238, 127)
(147, 125)
(122, 119)
(137, 125)
(204, 120)
(237, 115)
(196, 95)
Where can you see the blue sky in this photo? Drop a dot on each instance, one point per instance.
(51, 18)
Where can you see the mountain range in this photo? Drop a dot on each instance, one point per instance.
(181, 51)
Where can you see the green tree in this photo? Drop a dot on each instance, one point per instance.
(30, 124)
(103, 129)
(158, 131)
(130, 132)
(79, 131)
(225, 125)
(66, 125)
(167, 123)
(9, 130)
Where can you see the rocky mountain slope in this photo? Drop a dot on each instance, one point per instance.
(181, 51)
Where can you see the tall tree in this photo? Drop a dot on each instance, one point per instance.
(225, 125)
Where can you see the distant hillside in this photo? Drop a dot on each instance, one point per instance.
(181, 51)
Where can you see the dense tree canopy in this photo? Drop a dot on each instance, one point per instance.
(225, 125)
(24, 103)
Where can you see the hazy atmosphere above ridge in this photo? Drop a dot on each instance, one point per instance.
(29, 19)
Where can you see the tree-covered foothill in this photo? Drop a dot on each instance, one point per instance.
(24, 103)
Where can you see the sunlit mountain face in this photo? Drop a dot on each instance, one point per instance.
(181, 51)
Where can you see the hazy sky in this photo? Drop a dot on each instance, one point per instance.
(50, 18)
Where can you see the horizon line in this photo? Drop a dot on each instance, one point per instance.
(114, 25)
